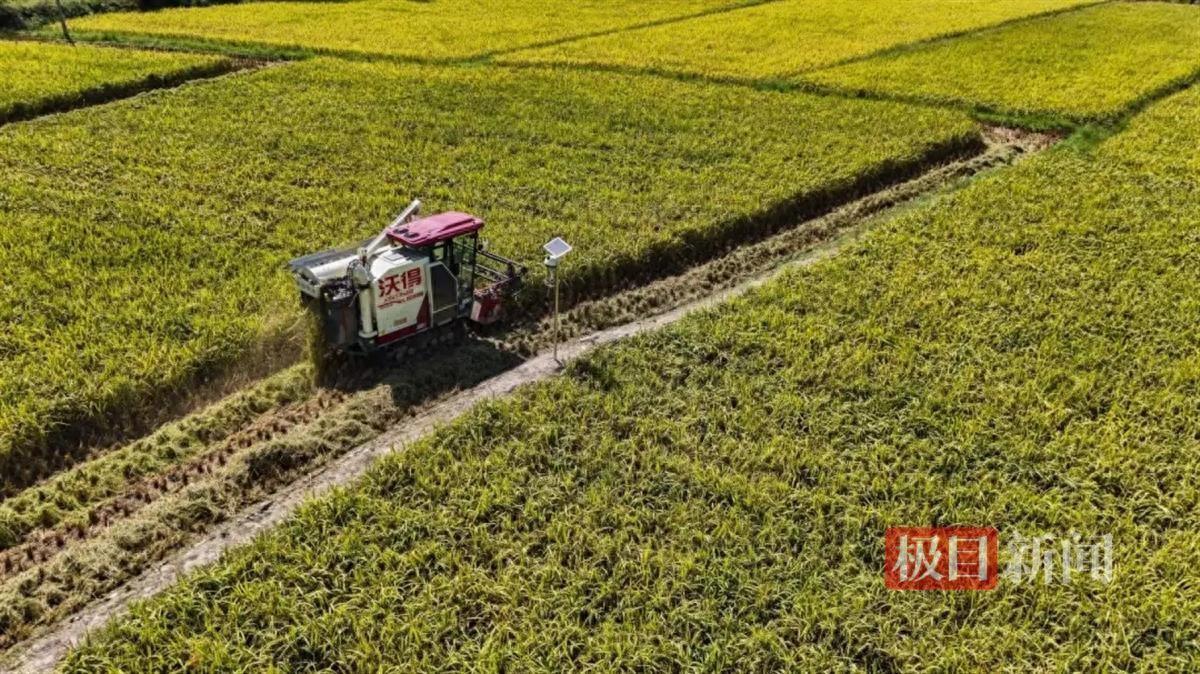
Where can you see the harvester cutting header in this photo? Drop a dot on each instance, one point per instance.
(412, 281)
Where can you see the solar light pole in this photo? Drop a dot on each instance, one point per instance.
(556, 249)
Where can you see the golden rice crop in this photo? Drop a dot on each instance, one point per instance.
(714, 496)
(1161, 140)
(37, 77)
(1086, 65)
(150, 236)
(445, 29)
(777, 39)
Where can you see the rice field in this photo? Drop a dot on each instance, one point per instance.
(775, 40)
(37, 77)
(184, 205)
(1016, 349)
(1020, 354)
(1087, 65)
(424, 31)
(1161, 140)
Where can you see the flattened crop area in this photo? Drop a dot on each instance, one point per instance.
(37, 77)
(774, 40)
(446, 29)
(159, 226)
(1084, 65)
(1021, 354)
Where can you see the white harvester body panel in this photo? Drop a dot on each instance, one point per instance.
(399, 294)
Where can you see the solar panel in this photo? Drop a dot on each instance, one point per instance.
(557, 248)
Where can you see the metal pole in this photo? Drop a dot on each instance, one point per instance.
(556, 335)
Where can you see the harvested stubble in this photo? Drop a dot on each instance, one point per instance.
(1092, 64)
(427, 31)
(55, 581)
(175, 211)
(778, 39)
(70, 497)
(1021, 354)
(37, 77)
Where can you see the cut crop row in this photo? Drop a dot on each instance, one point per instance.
(228, 459)
(176, 211)
(1020, 355)
(72, 495)
(36, 77)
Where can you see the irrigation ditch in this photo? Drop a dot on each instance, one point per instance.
(241, 465)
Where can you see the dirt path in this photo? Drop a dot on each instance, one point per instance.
(42, 653)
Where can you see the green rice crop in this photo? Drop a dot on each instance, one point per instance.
(778, 39)
(176, 211)
(441, 30)
(1086, 65)
(37, 77)
(713, 497)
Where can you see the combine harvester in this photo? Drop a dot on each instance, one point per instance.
(411, 286)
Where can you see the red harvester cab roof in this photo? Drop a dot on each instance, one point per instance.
(435, 228)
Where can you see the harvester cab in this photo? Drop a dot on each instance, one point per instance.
(413, 282)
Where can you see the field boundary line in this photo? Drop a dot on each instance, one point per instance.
(666, 21)
(787, 81)
(851, 221)
(267, 50)
(1032, 120)
(109, 93)
(947, 37)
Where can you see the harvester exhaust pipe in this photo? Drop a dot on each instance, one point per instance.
(405, 215)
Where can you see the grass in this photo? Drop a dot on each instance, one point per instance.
(1087, 65)
(176, 211)
(425, 31)
(775, 40)
(1021, 354)
(39, 78)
